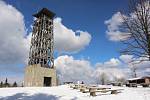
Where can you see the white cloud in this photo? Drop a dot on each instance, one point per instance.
(15, 45)
(113, 26)
(126, 58)
(115, 31)
(112, 73)
(12, 29)
(14, 48)
(70, 69)
(114, 22)
(111, 68)
(66, 40)
(141, 67)
(113, 62)
(122, 67)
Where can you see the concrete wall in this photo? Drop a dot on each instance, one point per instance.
(34, 75)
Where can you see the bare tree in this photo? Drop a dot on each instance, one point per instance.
(134, 70)
(121, 79)
(137, 24)
(103, 78)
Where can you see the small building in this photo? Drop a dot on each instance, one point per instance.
(116, 83)
(68, 82)
(144, 81)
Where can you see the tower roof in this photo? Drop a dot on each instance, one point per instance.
(46, 12)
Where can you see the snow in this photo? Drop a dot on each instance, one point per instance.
(64, 92)
(135, 78)
(138, 78)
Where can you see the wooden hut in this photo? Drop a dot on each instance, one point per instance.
(144, 81)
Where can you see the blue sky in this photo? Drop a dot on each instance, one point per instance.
(96, 45)
(86, 15)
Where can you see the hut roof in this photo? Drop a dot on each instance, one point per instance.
(131, 79)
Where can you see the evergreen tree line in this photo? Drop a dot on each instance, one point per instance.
(6, 84)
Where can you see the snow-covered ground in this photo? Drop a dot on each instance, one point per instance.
(63, 92)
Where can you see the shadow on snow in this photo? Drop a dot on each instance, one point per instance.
(24, 96)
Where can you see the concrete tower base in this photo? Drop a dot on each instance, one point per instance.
(37, 76)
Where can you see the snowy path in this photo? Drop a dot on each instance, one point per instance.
(65, 93)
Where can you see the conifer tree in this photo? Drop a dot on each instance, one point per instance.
(6, 84)
(1, 84)
(15, 84)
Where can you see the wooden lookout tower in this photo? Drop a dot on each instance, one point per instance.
(41, 70)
